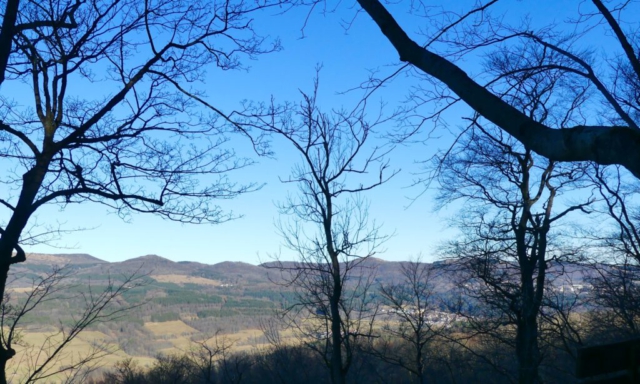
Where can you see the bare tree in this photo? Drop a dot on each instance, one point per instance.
(412, 307)
(609, 136)
(144, 139)
(124, 372)
(506, 247)
(209, 354)
(52, 359)
(615, 293)
(329, 228)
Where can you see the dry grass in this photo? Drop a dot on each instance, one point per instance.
(176, 332)
(36, 347)
(20, 290)
(168, 328)
(182, 279)
(43, 258)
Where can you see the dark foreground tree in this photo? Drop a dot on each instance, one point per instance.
(329, 228)
(502, 258)
(115, 112)
(610, 136)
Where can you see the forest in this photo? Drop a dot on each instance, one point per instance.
(113, 103)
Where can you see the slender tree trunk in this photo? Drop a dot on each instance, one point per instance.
(5, 353)
(419, 364)
(337, 376)
(527, 350)
(32, 180)
(6, 252)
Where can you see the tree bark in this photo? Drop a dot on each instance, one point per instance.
(527, 350)
(31, 182)
(602, 144)
(5, 353)
(420, 367)
(337, 375)
(6, 35)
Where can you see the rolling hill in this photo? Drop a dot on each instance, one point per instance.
(173, 302)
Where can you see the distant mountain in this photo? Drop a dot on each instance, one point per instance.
(237, 272)
(71, 258)
(150, 264)
(153, 259)
(194, 297)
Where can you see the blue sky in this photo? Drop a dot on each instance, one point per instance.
(347, 56)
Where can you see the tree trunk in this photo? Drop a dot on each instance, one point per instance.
(5, 353)
(32, 180)
(527, 350)
(419, 364)
(7, 33)
(4, 357)
(337, 376)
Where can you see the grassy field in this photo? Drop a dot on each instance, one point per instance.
(36, 347)
(182, 279)
(170, 328)
(176, 337)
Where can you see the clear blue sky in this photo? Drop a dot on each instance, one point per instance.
(346, 56)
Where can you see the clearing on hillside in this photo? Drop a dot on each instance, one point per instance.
(176, 327)
(184, 279)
